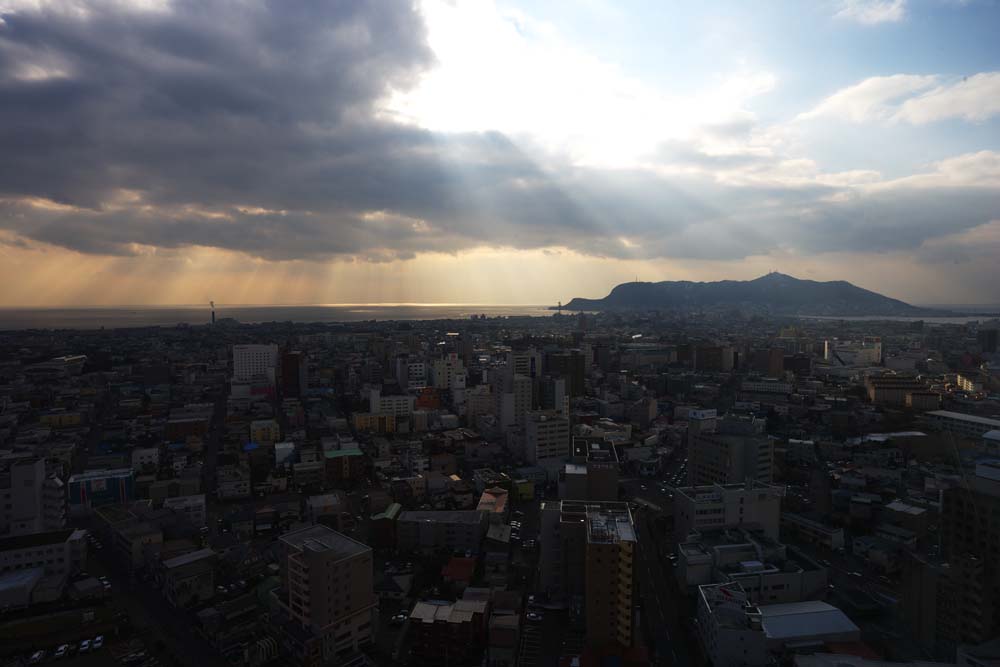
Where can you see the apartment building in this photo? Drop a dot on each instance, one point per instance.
(546, 438)
(31, 501)
(721, 458)
(327, 594)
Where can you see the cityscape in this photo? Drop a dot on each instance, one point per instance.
(499, 333)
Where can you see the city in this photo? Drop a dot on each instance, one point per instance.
(649, 488)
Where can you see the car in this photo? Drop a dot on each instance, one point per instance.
(531, 600)
(856, 574)
(98, 642)
(643, 487)
(36, 657)
(533, 616)
(61, 652)
(85, 646)
(518, 513)
(825, 562)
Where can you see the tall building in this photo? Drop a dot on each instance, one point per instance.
(327, 595)
(592, 473)
(571, 365)
(513, 399)
(448, 372)
(30, 500)
(587, 557)
(546, 437)
(293, 374)
(970, 528)
(255, 363)
(698, 508)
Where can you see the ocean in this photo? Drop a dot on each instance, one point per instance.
(147, 316)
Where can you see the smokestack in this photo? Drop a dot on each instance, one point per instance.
(212, 304)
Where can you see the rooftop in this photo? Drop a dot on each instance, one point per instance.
(187, 559)
(804, 619)
(947, 414)
(36, 540)
(319, 538)
(442, 516)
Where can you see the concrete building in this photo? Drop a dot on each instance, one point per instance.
(893, 390)
(962, 425)
(513, 399)
(546, 438)
(31, 501)
(60, 553)
(457, 531)
(592, 473)
(970, 528)
(768, 571)
(720, 458)
(193, 507)
(587, 557)
(96, 488)
(448, 372)
(255, 362)
(399, 405)
(702, 508)
(328, 596)
(735, 633)
(812, 531)
(188, 579)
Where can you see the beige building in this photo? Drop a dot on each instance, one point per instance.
(546, 438)
(587, 556)
(327, 590)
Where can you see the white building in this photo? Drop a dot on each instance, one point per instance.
(395, 405)
(702, 508)
(963, 425)
(255, 362)
(145, 456)
(30, 500)
(449, 372)
(546, 438)
(60, 552)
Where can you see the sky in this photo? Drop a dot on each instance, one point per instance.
(305, 151)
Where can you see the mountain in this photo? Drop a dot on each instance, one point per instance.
(774, 293)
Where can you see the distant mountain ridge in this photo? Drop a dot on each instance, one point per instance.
(775, 293)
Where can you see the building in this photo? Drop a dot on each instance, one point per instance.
(448, 372)
(294, 375)
(962, 425)
(592, 473)
(96, 488)
(457, 531)
(189, 579)
(265, 431)
(735, 633)
(327, 595)
(719, 458)
(59, 553)
(255, 362)
(702, 508)
(494, 502)
(513, 399)
(546, 438)
(970, 528)
(449, 634)
(192, 507)
(892, 390)
(812, 531)
(399, 405)
(587, 558)
(968, 382)
(571, 365)
(31, 501)
(768, 571)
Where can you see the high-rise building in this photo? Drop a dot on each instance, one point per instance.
(587, 557)
(592, 473)
(970, 527)
(571, 365)
(448, 372)
(988, 339)
(31, 501)
(255, 362)
(513, 399)
(327, 595)
(293, 374)
(546, 437)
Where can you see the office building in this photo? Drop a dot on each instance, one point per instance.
(722, 458)
(252, 363)
(513, 399)
(592, 473)
(328, 596)
(701, 508)
(397, 405)
(96, 488)
(570, 365)
(587, 558)
(294, 376)
(31, 501)
(448, 373)
(546, 438)
(59, 553)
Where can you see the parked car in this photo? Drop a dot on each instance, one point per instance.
(534, 616)
(85, 646)
(98, 642)
(61, 652)
(36, 658)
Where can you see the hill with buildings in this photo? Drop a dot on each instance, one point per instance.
(774, 293)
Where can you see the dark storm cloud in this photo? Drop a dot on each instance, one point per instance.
(254, 127)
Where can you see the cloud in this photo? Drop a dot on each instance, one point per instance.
(913, 99)
(872, 12)
(266, 132)
(875, 98)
